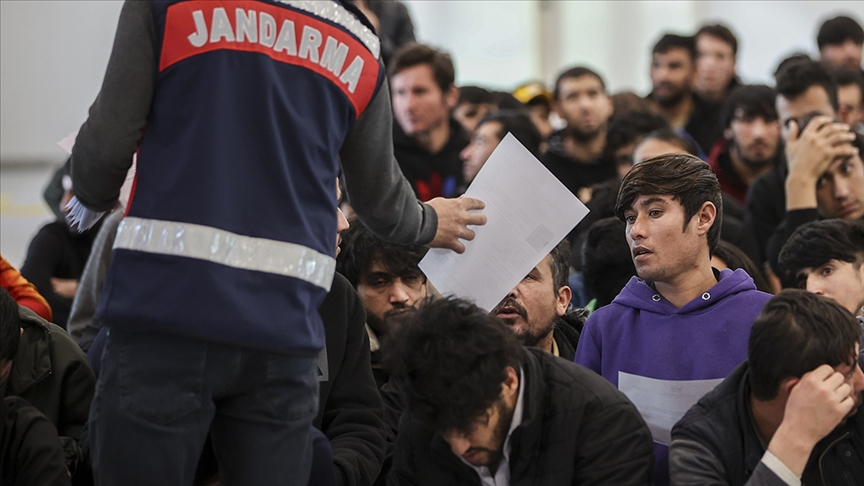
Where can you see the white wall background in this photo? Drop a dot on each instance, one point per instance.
(53, 53)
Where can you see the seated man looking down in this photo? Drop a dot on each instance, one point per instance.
(483, 409)
(680, 326)
(789, 414)
(827, 258)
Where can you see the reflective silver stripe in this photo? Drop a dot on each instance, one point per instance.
(226, 248)
(334, 12)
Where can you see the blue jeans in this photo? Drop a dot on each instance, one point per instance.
(158, 397)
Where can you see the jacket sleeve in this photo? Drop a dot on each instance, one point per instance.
(616, 447)
(22, 290)
(402, 473)
(103, 149)
(353, 417)
(691, 463)
(91, 283)
(43, 258)
(378, 191)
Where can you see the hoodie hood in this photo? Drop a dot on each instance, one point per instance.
(638, 294)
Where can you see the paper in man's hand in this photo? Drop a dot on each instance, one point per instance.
(528, 212)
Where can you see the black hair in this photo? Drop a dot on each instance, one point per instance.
(857, 142)
(735, 258)
(798, 76)
(10, 326)
(845, 77)
(796, 332)
(360, 249)
(754, 100)
(721, 32)
(576, 72)
(791, 59)
(450, 362)
(629, 126)
(685, 178)
(673, 41)
(607, 263)
(671, 136)
(506, 101)
(519, 123)
(560, 263)
(414, 54)
(475, 95)
(815, 244)
(838, 30)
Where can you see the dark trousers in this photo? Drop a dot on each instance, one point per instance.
(158, 396)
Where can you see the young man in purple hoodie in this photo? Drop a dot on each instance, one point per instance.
(678, 329)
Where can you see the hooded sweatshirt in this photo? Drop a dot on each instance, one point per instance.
(641, 333)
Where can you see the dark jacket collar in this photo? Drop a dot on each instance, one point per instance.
(33, 360)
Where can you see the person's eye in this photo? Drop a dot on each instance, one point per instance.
(827, 271)
(655, 213)
(629, 219)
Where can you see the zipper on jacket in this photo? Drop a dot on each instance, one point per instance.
(822, 456)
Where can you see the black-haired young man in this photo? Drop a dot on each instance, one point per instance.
(484, 409)
(840, 42)
(489, 132)
(751, 142)
(388, 280)
(716, 48)
(827, 258)
(426, 139)
(803, 87)
(673, 68)
(681, 323)
(787, 416)
(574, 153)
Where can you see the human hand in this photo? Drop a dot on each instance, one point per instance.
(817, 403)
(64, 287)
(453, 220)
(810, 152)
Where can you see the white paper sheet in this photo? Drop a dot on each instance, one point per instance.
(68, 142)
(528, 211)
(662, 403)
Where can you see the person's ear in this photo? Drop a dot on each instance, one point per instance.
(564, 297)
(510, 386)
(706, 216)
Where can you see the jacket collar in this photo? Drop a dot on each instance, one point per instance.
(33, 360)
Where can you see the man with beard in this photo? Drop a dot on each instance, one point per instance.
(787, 415)
(574, 153)
(537, 308)
(388, 280)
(482, 409)
(716, 48)
(841, 41)
(673, 69)
(751, 139)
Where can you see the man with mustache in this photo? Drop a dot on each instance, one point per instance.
(789, 414)
(680, 327)
(574, 152)
(673, 69)
(388, 280)
(536, 310)
(751, 140)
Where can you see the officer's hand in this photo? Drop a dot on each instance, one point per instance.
(453, 221)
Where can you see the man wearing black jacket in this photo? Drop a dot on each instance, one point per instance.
(787, 415)
(482, 408)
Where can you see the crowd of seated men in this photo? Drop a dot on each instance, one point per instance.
(702, 325)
